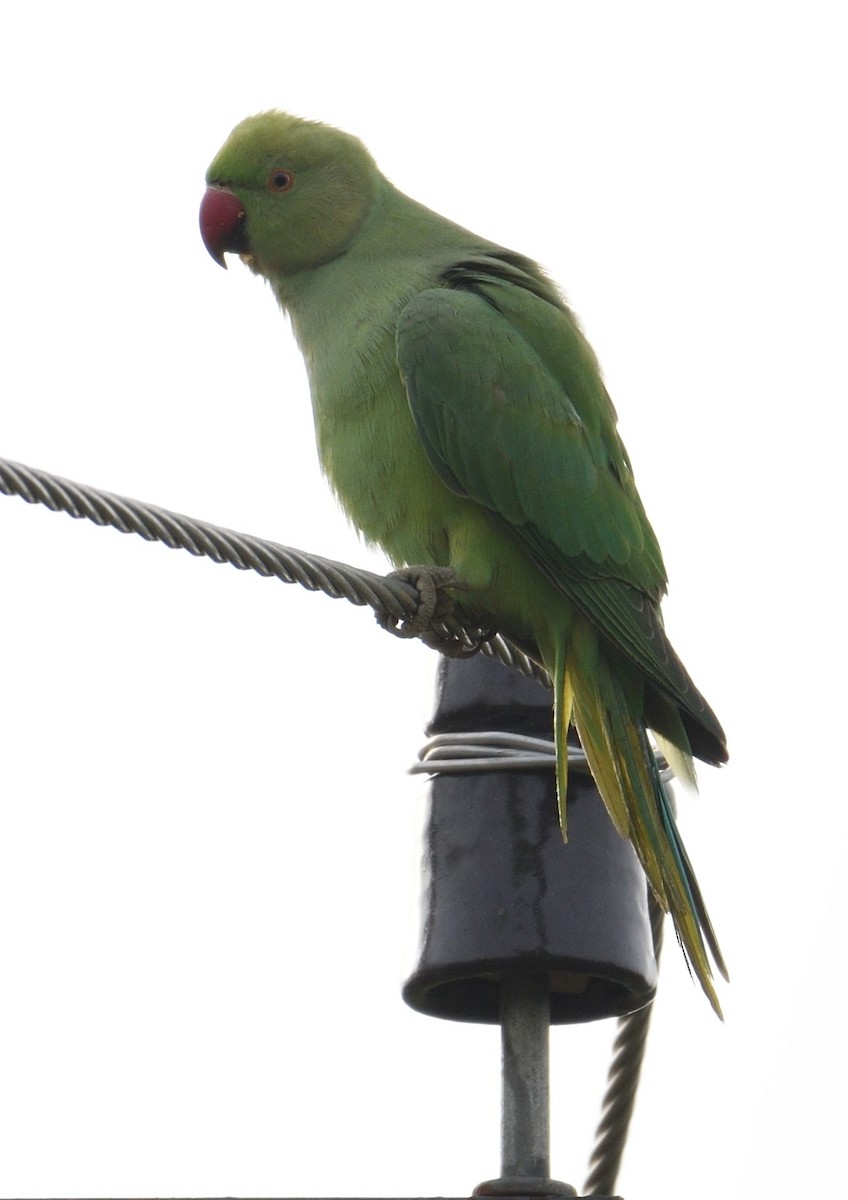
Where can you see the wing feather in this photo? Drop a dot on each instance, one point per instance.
(510, 406)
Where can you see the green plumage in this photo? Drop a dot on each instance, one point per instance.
(462, 421)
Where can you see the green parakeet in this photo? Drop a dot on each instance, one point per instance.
(462, 421)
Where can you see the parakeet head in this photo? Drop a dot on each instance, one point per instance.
(286, 194)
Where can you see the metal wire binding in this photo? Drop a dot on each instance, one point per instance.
(455, 753)
(389, 598)
(500, 750)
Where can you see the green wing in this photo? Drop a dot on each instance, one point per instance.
(508, 400)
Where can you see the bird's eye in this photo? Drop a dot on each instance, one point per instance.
(280, 181)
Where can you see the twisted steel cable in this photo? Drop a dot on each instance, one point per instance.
(395, 603)
(393, 600)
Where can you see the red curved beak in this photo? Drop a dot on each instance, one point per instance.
(222, 224)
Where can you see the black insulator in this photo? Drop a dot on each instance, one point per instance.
(503, 894)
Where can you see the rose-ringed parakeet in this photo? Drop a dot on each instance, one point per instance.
(462, 421)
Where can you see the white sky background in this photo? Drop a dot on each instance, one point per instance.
(207, 859)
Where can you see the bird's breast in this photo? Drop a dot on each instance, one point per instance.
(374, 460)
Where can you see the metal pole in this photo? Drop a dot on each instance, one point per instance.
(525, 1036)
(525, 1001)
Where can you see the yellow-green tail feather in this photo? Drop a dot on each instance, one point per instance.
(607, 708)
(563, 704)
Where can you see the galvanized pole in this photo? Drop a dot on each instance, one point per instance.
(525, 1084)
(525, 1116)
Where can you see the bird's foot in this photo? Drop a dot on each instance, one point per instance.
(435, 606)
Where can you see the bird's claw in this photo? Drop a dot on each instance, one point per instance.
(434, 602)
(435, 606)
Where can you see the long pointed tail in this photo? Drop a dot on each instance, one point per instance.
(607, 710)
